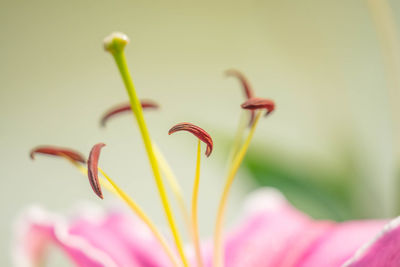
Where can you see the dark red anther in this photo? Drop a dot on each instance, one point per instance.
(93, 169)
(259, 103)
(248, 91)
(125, 107)
(243, 80)
(58, 151)
(197, 131)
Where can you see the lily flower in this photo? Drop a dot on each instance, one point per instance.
(270, 231)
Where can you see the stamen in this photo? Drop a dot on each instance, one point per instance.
(93, 169)
(218, 235)
(243, 80)
(111, 186)
(248, 91)
(58, 151)
(126, 107)
(196, 238)
(164, 166)
(237, 141)
(73, 157)
(259, 103)
(115, 44)
(142, 215)
(93, 176)
(103, 183)
(206, 138)
(197, 131)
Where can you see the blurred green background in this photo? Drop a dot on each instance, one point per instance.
(332, 146)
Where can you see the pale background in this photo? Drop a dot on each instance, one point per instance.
(321, 61)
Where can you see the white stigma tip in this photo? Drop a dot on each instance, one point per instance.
(115, 42)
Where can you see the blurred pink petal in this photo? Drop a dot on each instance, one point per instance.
(114, 240)
(384, 250)
(273, 233)
(270, 233)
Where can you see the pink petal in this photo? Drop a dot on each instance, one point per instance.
(338, 244)
(271, 233)
(274, 234)
(113, 240)
(266, 232)
(383, 250)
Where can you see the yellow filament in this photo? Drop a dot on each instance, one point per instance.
(238, 138)
(120, 59)
(195, 227)
(173, 183)
(139, 212)
(104, 183)
(110, 185)
(218, 235)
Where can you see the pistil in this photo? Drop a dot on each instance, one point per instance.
(115, 44)
(164, 166)
(174, 185)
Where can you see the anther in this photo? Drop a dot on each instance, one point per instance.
(197, 131)
(259, 103)
(59, 152)
(243, 80)
(125, 107)
(248, 91)
(93, 169)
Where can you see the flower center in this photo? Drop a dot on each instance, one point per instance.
(115, 44)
